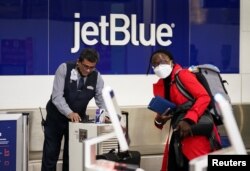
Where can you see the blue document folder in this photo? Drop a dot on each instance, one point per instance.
(160, 105)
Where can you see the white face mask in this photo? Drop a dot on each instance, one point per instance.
(163, 70)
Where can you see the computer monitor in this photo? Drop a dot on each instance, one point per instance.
(237, 145)
(90, 162)
(11, 142)
(115, 116)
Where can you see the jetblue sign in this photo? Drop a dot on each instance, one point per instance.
(88, 32)
(125, 33)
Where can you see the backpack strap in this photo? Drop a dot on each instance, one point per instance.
(181, 87)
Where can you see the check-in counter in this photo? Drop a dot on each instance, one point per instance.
(78, 132)
(144, 136)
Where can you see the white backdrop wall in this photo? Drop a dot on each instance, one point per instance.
(34, 91)
(17, 92)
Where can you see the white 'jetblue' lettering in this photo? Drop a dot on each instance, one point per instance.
(90, 33)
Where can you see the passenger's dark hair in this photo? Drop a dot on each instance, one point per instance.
(90, 54)
(169, 54)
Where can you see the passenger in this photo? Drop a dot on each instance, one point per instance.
(75, 84)
(177, 156)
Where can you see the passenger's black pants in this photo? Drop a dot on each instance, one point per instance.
(172, 162)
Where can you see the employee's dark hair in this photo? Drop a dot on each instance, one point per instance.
(90, 54)
(166, 52)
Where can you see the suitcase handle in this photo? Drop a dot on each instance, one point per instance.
(126, 114)
(126, 133)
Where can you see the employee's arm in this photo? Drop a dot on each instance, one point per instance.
(98, 95)
(58, 91)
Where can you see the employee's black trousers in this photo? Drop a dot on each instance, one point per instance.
(54, 131)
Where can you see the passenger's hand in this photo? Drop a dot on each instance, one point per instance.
(74, 117)
(168, 111)
(184, 129)
(162, 118)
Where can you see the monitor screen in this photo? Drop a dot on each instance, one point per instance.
(115, 116)
(237, 145)
(11, 142)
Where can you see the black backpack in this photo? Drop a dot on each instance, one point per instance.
(209, 76)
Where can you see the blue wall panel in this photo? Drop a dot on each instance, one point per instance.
(36, 36)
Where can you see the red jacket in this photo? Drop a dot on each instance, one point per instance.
(193, 146)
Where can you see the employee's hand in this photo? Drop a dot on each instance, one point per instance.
(107, 119)
(74, 117)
